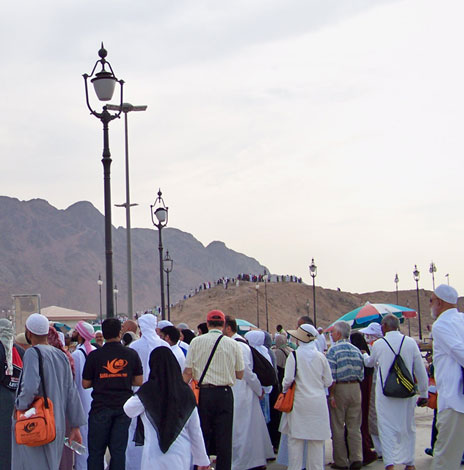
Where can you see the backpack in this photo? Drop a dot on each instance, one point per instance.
(11, 381)
(399, 382)
(263, 369)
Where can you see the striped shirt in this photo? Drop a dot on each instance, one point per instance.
(226, 361)
(346, 362)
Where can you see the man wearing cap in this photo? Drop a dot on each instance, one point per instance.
(216, 405)
(395, 416)
(346, 363)
(448, 360)
(60, 389)
(83, 334)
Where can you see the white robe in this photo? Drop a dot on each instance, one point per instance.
(188, 445)
(144, 346)
(180, 356)
(86, 400)
(251, 444)
(395, 416)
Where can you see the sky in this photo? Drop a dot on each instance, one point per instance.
(288, 129)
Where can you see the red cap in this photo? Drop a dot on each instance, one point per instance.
(215, 315)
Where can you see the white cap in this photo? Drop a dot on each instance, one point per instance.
(447, 294)
(164, 323)
(372, 329)
(37, 324)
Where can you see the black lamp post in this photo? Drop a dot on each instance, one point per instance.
(168, 263)
(397, 279)
(100, 283)
(104, 83)
(313, 272)
(265, 298)
(159, 217)
(257, 304)
(432, 271)
(116, 292)
(416, 275)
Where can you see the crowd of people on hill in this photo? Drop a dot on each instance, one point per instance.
(150, 395)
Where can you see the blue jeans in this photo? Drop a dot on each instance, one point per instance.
(108, 428)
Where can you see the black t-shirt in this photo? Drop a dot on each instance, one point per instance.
(111, 369)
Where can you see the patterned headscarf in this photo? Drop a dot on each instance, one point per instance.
(7, 338)
(54, 340)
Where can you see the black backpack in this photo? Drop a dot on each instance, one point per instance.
(11, 381)
(263, 369)
(399, 382)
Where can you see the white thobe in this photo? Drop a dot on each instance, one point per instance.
(395, 416)
(251, 444)
(180, 356)
(144, 346)
(86, 400)
(188, 446)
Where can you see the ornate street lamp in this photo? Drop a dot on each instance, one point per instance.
(127, 108)
(397, 279)
(104, 83)
(432, 271)
(416, 275)
(266, 276)
(100, 283)
(116, 292)
(257, 304)
(313, 272)
(168, 264)
(159, 217)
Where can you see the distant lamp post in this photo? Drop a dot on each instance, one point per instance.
(313, 272)
(100, 283)
(397, 279)
(432, 271)
(416, 275)
(104, 83)
(307, 306)
(257, 304)
(168, 264)
(265, 298)
(159, 217)
(127, 108)
(447, 278)
(116, 292)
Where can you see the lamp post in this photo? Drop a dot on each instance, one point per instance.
(447, 278)
(104, 83)
(159, 217)
(116, 292)
(127, 108)
(265, 298)
(416, 275)
(432, 271)
(307, 306)
(100, 283)
(257, 304)
(397, 279)
(168, 262)
(313, 272)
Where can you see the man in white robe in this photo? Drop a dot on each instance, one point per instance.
(83, 333)
(251, 444)
(144, 346)
(395, 416)
(171, 335)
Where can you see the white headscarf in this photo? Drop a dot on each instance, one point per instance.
(7, 338)
(256, 338)
(147, 325)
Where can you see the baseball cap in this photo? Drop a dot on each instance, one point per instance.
(215, 315)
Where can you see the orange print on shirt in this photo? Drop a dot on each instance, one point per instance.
(115, 366)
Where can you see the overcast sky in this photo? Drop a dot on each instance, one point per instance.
(287, 129)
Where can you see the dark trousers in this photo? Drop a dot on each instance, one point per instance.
(108, 428)
(216, 409)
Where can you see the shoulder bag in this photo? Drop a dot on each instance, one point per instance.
(195, 385)
(36, 426)
(284, 401)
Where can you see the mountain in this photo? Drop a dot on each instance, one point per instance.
(60, 253)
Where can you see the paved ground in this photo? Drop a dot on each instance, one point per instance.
(423, 462)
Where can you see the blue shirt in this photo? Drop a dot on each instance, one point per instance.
(346, 362)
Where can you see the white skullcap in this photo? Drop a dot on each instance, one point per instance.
(310, 329)
(447, 294)
(163, 323)
(373, 329)
(37, 324)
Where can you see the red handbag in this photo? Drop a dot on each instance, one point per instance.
(284, 402)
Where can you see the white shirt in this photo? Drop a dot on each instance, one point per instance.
(180, 356)
(448, 358)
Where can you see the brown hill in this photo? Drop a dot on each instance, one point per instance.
(287, 301)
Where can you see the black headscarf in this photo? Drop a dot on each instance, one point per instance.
(357, 339)
(167, 399)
